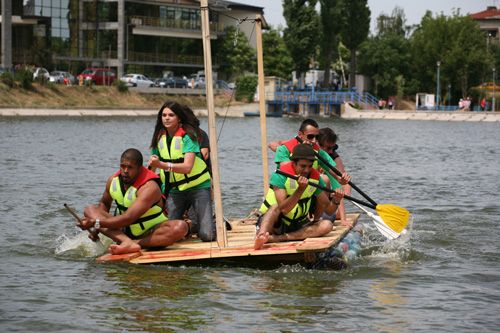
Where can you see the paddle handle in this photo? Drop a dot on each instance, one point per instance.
(72, 212)
(326, 189)
(338, 173)
(91, 231)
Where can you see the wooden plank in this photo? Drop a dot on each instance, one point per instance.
(239, 245)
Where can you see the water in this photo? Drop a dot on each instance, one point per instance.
(442, 276)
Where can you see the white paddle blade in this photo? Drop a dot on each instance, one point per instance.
(379, 223)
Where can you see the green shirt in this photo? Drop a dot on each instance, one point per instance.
(283, 155)
(188, 146)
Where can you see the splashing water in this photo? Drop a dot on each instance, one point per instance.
(81, 245)
(398, 248)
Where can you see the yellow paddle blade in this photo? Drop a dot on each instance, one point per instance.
(394, 217)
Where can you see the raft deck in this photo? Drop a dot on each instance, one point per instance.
(240, 240)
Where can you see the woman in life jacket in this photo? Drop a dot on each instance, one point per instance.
(175, 150)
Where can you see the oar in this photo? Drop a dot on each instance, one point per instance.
(94, 233)
(394, 217)
(379, 223)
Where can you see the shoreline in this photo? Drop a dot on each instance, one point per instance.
(237, 111)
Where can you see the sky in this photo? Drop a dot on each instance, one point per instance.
(414, 9)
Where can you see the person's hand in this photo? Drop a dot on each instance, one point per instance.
(303, 182)
(337, 195)
(345, 179)
(154, 161)
(86, 223)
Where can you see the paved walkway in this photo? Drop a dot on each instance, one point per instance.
(348, 112)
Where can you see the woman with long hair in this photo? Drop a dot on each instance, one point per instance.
(175, 150)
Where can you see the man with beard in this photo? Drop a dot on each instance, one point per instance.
(140, 221)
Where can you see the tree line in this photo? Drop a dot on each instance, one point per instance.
(400, 59)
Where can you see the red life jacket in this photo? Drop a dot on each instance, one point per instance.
(288, 168)
(290, 144)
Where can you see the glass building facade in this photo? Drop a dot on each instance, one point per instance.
(147, 36)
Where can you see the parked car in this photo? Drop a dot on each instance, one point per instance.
(98, 76)
(62, 77)
(175, 82)
(137, 80)
(40, 73)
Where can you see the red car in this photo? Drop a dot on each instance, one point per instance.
(98, 76)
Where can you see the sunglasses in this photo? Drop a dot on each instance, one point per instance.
(312, 136)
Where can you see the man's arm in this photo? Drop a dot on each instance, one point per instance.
(147, 195)
(285, 203)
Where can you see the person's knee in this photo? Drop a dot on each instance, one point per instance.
(325, 226)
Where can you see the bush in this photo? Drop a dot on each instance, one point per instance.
(7, 78)
(121, 86)
(25, 78)
(245, 88)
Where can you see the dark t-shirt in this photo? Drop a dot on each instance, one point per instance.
(205, 143)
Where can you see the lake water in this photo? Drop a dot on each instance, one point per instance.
(443, 277)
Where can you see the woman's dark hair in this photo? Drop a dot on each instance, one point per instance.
(327, 135)
(187, 118)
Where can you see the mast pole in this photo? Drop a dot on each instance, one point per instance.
(262, 102)
(219, 215)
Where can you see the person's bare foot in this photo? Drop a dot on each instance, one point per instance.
(346, 223)
(260, 240)
(125, 247)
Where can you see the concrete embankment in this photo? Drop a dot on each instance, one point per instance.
(348, 112)
(232, 111)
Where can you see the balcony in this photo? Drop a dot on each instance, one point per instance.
(176, 24)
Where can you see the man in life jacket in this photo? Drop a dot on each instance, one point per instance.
(309, 133)
(140, 221)
(289, 203)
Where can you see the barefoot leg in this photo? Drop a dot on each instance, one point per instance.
(125, 247)
(260, 240)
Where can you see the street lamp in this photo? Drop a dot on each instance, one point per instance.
(437, 86)
(494, 84)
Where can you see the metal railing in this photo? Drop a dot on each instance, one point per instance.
(164, 23)
(165, 58)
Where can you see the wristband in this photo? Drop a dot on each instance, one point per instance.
(97, 224)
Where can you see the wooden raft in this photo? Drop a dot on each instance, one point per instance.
(240, 245)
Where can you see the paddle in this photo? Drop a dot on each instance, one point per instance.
(94, 233)
(394, 217)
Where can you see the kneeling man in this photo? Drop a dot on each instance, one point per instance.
(141, 221)
(289, 203)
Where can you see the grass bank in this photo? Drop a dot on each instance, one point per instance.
(60, 96)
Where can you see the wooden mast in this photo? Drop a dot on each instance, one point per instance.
(219, 216)
(262, 102)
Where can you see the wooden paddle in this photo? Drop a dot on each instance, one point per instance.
(94, 233)
(394, 217)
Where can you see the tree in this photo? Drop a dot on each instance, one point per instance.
(331, 22)
(357, 16)
(277, 59)
(384, 58)
(460, 47)
(393, 24)
(301, 33)
(236, 56)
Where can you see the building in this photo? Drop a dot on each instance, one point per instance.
(147, 36)
(489, 22)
